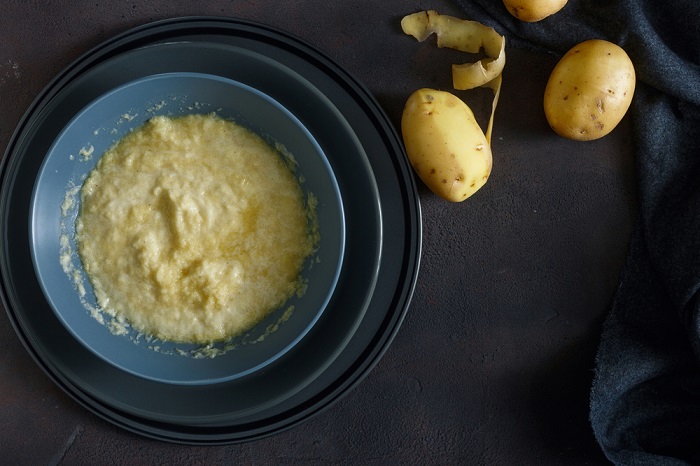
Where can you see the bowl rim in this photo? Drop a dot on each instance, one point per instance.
(104, 352)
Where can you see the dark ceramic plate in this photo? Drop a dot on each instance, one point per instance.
(375, 280)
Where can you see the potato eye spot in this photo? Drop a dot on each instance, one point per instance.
(599, 104)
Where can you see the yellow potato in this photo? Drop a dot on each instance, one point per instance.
(533, 10)
(589, 90)
(445, 145)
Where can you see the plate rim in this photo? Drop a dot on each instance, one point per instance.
(409, 269)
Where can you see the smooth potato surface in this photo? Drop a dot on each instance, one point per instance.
(533, 10)
(589, 90)
(445, 145)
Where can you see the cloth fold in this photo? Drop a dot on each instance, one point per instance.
(645, 399)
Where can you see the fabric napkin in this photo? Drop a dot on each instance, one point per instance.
(645, 400)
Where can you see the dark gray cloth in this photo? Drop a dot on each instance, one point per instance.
(645, 400)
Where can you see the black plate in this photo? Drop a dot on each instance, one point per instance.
(376, 281)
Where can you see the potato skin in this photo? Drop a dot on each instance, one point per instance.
(589, 90)
(533, 10)
(445, 145)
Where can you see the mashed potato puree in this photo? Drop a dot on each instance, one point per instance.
(193, 229)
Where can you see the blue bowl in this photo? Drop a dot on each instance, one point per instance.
(55, 204)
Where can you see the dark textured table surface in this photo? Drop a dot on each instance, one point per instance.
(493, 363)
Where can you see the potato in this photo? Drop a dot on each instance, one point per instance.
(589, 90)
(445, 145)
(533, 10)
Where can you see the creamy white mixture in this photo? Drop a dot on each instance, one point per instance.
(193, 229)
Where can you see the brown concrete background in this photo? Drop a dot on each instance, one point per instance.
(494, 361)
